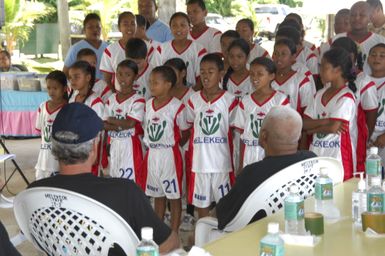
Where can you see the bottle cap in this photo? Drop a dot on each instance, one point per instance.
(146, 233)
(373, 150)
(323, 171)
(273, 227)
(361, 183)
(294, 189)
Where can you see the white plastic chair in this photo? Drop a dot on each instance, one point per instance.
(270, 195)
(62, 222)
(6, 202)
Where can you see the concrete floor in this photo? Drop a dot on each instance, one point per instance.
(26, 151)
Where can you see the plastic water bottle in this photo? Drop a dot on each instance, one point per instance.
(147, 247)
(294, 212)
(376, 197)
(272, 244)
(372, 166)
(324, 197)
(359, 204)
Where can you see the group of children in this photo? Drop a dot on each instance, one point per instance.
(175, 141)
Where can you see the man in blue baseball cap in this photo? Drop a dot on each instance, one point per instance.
(74, 144)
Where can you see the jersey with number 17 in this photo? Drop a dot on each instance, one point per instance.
(211, 140)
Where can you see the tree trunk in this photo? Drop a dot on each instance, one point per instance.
(64, 26)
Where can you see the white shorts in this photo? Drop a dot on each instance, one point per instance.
(42, 174)
(163, 171)
(206, 188)
(126, 158)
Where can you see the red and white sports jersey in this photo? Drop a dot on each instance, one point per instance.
(308, 58)
(44, 120)
(366, 101)
(210, 39)
(112, 56)
(364, 46)
(153, 55)
(163, 125)
(141, 84)
(186, 96)
(249, 118)
(211, 140)
(310, 46)
(298, 88)
(126, 151)
(379, 129)
(93, 101)
(101, 88)
(257, 51)
(191, 55)
(240, 89)
(378, 81)
(131, 108)
(342, 107)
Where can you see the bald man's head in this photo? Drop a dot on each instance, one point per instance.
(359, 16)
(281, 130)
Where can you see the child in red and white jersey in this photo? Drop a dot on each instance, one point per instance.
(331, 118)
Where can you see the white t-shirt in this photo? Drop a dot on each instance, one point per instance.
(163, 126)
(211, 140)
(153, 55)
(249, 118)
(44, 120)
(112, 56)
(379, 129)
(298, 88)
(191, 55)
(210, 39)
(342, 107)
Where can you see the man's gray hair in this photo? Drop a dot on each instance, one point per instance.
(284, 124)
(68, 153)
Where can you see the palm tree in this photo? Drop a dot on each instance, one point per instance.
(19, 20)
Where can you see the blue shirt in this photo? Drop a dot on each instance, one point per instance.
(159, 31)
(74, 49)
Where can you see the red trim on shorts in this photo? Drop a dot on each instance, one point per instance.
(347, 154)
(137, 156)
(178, 161)
(145, 170)
(363, 133)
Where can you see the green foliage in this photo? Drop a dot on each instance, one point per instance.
(19, 22)
(292, 3)
(222, 7)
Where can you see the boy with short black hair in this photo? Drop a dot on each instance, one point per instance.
(208, 37)
(212, 113)
(136, 50)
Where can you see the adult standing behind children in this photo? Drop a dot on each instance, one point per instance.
(359, 21)
(74, 143)
(158, 30)
(92, 28)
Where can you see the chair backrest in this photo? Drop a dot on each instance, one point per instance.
(270, 195)
(62, 222)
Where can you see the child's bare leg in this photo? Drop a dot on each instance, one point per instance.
(160, 206)
(176, 212)
(203, 212)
